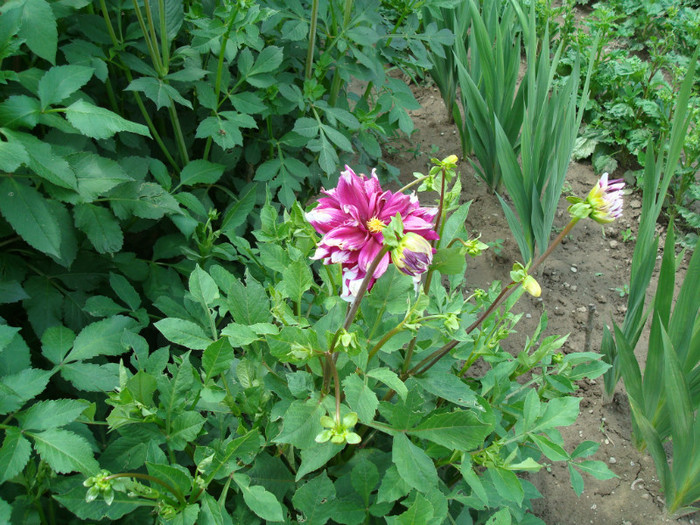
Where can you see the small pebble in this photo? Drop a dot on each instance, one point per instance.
(612, 460)
(573, 269)
(613, 244)
(574, 288)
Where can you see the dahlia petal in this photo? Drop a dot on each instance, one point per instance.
(324, 219)
(350, 190)
(346, 238)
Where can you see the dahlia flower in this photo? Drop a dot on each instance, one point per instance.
(414, 254)
(351, 218)
(605, 200)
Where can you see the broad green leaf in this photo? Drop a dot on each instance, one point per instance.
(19, 110)
(316, 456)
(390, 379)
(576, 479)
(248, 304)
(217, 358)
(550, 449)
(585, 449)
(90, 377)
(364, 478)
(458, 430)
(239, 212)
(449, 387)
(559, 412)
(244, 445)
(202, 287)
(502, 517)
(99, 123)
(296, 280)
(100, 226)
(125, 291)
(101, 306)
(38, 27)
(12, 155)
(419, 513)
(15, 357)
(101, 338)
(474, 482)
(413, 464)
(391, 292)
(56, 341)
(14, 453)
(52, 413)
(147, 200)
(162, 94)
(360, 397)
(301, 424)
(65, 451)
(174, 17)
(239, 334)
(507, 484)
(597, 469)
(42, 159)
(7, 334)
(316, 500)
(393, 486)
(96, 175)
(17, 389)
(175, 475)
(211, 512)
(262, 502)
(201, 172)
(184, 333)
(184, 429)
(30, 216)
(273, 474)
(59, 82)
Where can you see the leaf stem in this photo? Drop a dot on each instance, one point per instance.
(148, 477)
(312, 40)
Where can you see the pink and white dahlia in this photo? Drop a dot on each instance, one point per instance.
(351, 218)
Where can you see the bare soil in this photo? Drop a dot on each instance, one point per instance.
(590, 268)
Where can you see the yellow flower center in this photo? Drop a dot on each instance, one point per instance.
(374, 225)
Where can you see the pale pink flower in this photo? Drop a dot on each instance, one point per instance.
(605, 200)
(351, 218)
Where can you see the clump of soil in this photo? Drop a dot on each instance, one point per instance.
(591, 267)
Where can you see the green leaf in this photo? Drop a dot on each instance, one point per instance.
(550, 449)
(19, 110)
(202, 287)
(502, 517)
(316, 456)
(212, 513)
(30, 216)
(12, 155)
(184, 333)
(217, 358)
(162, 94)
(201, 172)
(101, 338)
(90, 377)
(301, 424)
(413, 464)
(296, 280)
(127, 293)
(585, 449)
(56, 341)
(96, 175)
(262, 502)
(100, 226)
(576, 479)
(42, 159)
(458, 430)
(390, 379)
(248, 304)
(52, 413)
(316, 500)
(449, 387)
(184, 429)
(360, 397)
(364, 478)
(17, 389)
(60, 82)
(507, 484)
(99, 123)
(14, 454)
(393, 486)
(65, 451)
(176, 476)
(597, 469)
(38, 28)
(419, 513)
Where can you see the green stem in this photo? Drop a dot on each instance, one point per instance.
(411, 184)
(336, 381)
(155, 58)
(180, 139)
(157, 62)
(153, 479)
(337, 80)
(433, 358)
(164, 45)
(312, 40)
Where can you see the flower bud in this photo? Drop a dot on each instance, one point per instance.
(413, 255)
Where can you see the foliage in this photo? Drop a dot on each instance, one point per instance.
(664, 399)
(215, 413)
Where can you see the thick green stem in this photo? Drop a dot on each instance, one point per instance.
(157, 62)
(312, 40)
(337, 80)
(179, 137)
(164, 44)
(336, 381)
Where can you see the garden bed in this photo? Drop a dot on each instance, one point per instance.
(590, 268)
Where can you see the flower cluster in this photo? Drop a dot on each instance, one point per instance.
(351, 218)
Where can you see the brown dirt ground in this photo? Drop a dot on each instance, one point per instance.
(586, 269)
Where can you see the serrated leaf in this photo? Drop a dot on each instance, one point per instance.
(183, 332)
(14, 453)
(125, 291)
(12, 156)
(100, 226)
(38, 28)
(175, 475)
(52, 413)
(184, 429)
(390, 379)
(360, 397)
(56, 341)
(90, 377)
(74, 501)
(202, 287)
(262, 502)
(65, 451)
(30, 216)
(99, 123)
(316, 500)
(42, 159)
(413, 464)
(217, 358)
(101, 338)
(158, 91)
(201, 172)
(458, 430)
(60, 82)
(19, 110)
(296, 279)
(17, 389)
(96, 175)
(301, 424)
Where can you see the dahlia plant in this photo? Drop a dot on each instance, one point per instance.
(343, 390)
